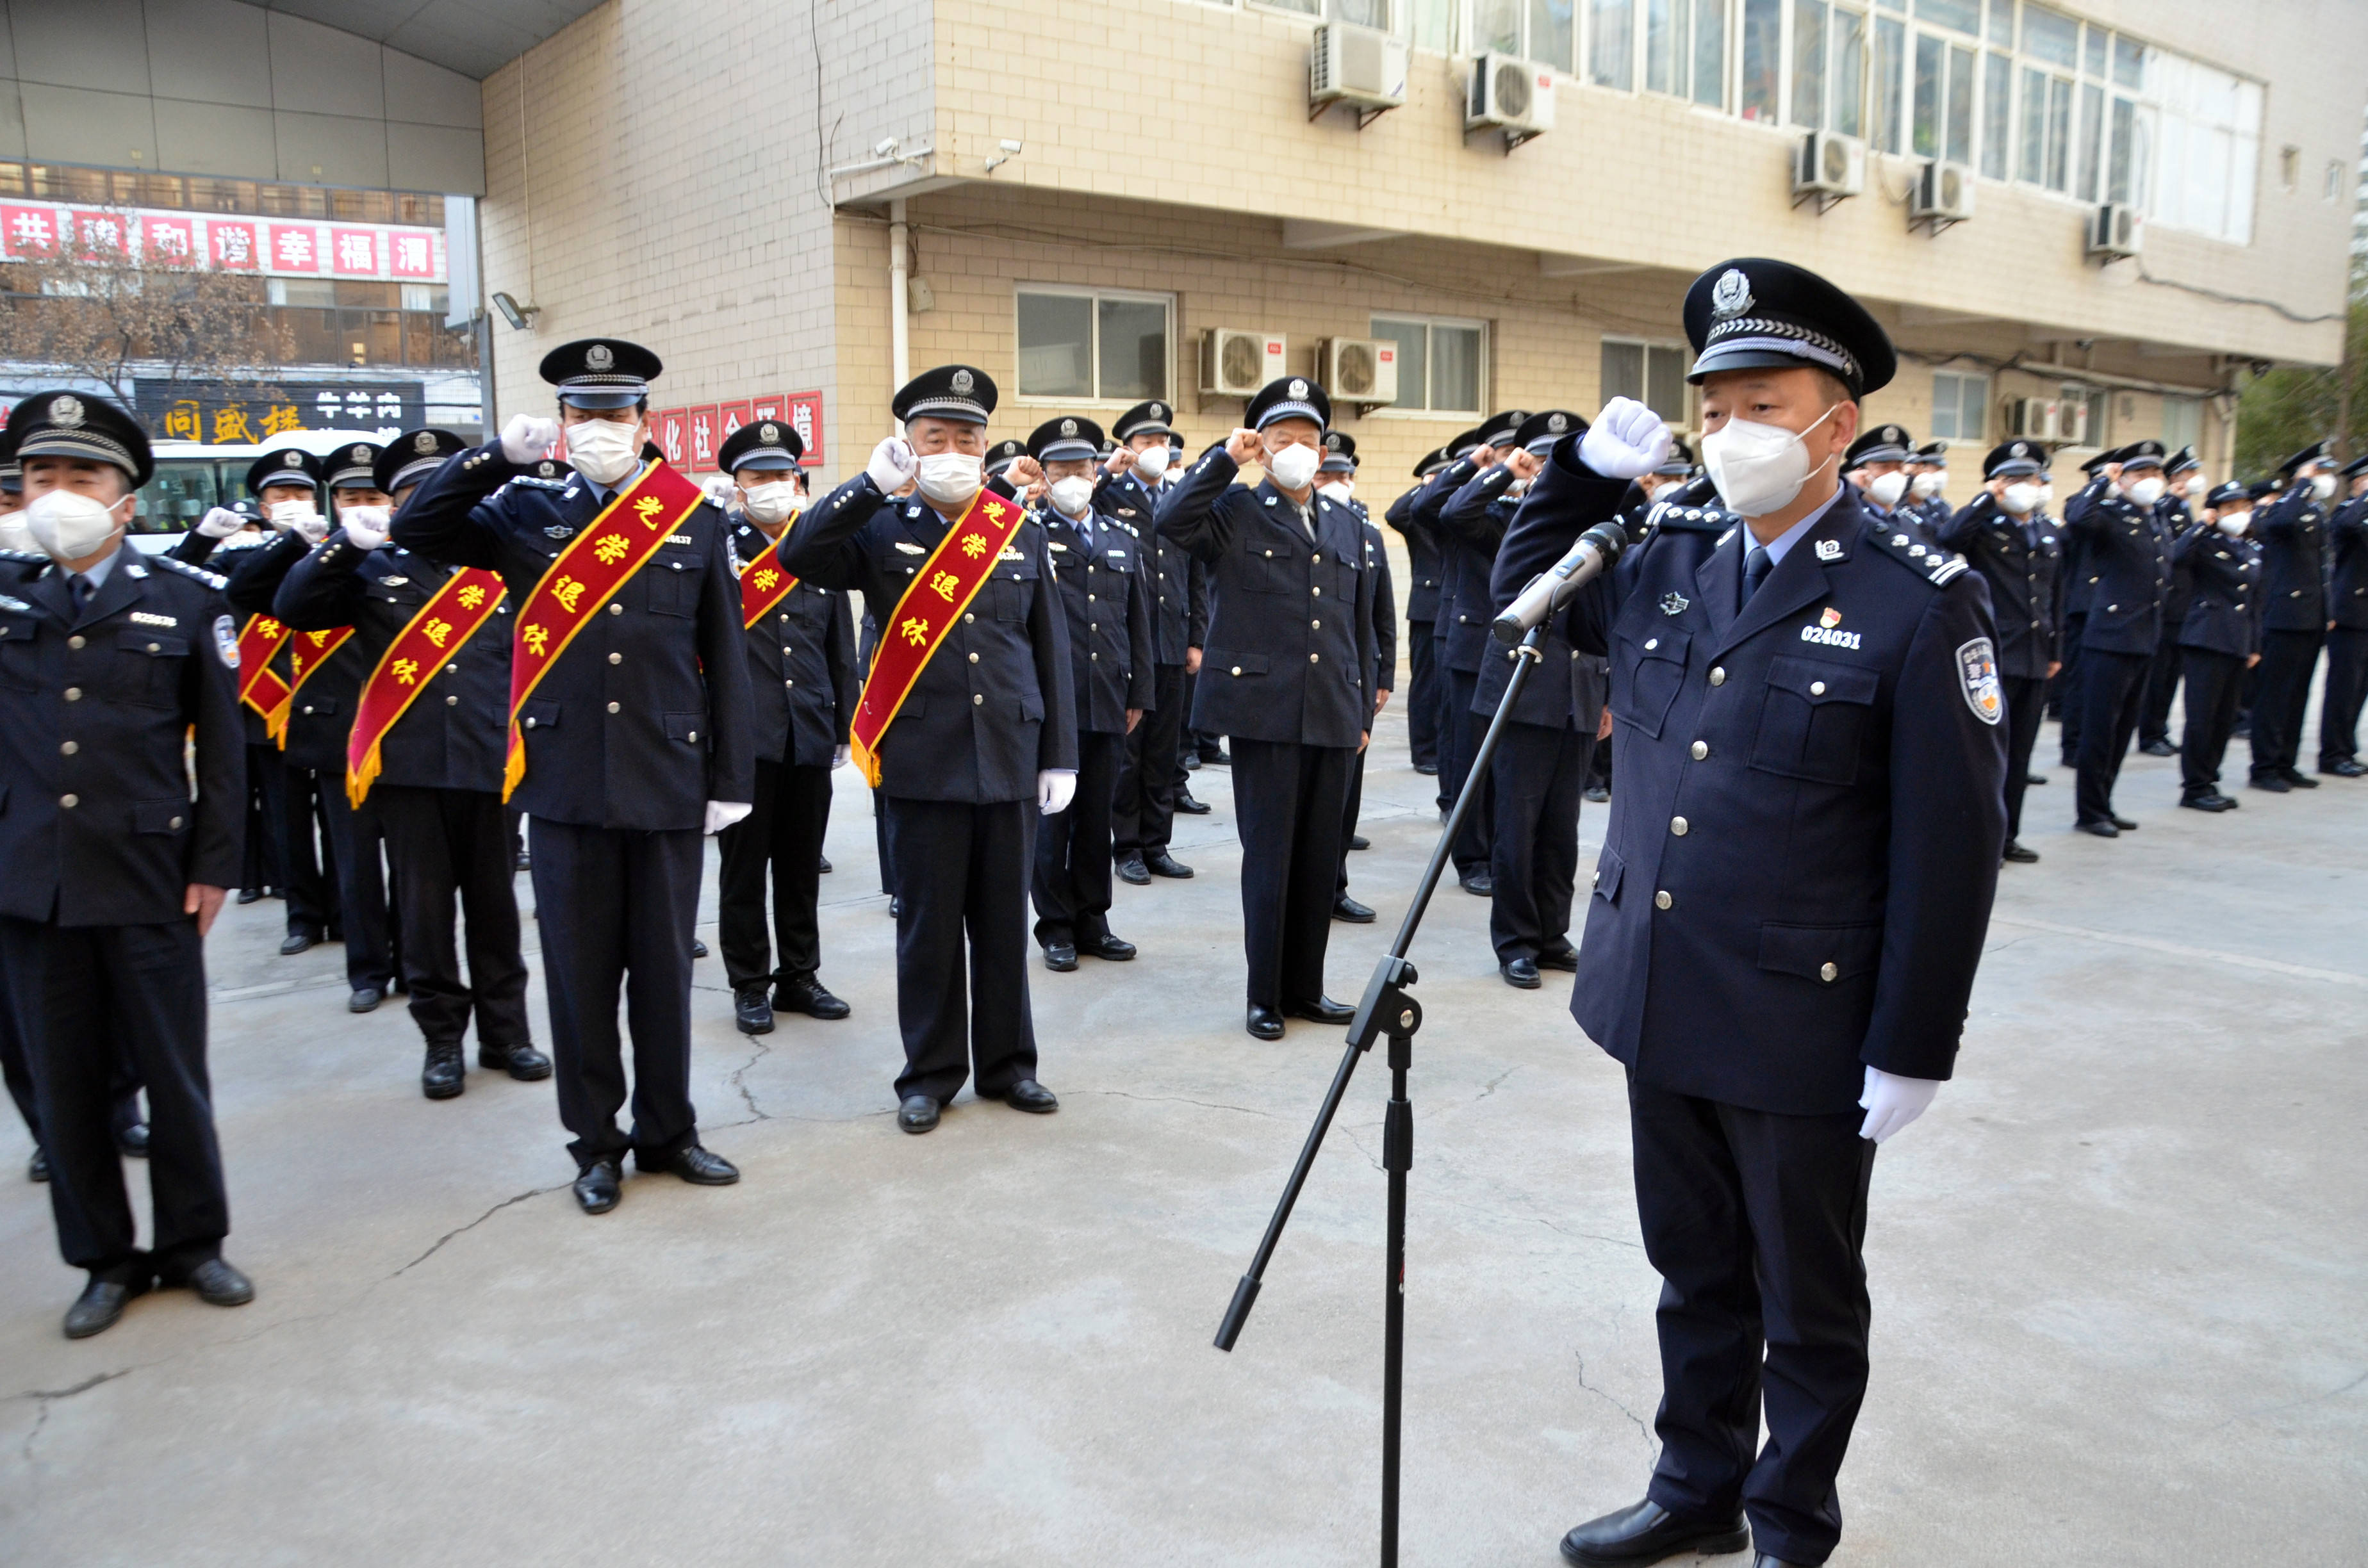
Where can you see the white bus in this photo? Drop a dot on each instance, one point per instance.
(191, 477)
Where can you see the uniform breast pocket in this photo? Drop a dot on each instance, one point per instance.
(1607, 868)
(148, 666)
(20, 658)
(1814, 720)
(1276, 570)
(1655, 664)
(673, 583)
(1012, 590)
(685, 728)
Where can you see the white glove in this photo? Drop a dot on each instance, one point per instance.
(717, 488)
(525, 438)
(722, 814)
(838, 757)
(1055, 788)
(219, 522)
(1626, 439)
(892, 464)
(358, 523)
(314, 527)
(1891, 1101)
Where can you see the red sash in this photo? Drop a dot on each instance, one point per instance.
(435, 637)
(307, 651)
(763, 583)
(259, 686)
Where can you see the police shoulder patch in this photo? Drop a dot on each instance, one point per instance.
(1978, 677)
(198, 573)
(226, 641)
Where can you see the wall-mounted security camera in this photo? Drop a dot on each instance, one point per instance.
(517, 315)
(1011, 151)
(885, 147)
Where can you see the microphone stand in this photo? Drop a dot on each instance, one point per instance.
(1387, 1008)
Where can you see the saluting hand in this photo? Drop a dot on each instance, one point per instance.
(1626, 441)
(525, 437)
(1244, 448)
(219, 522)
(1121, 460)
(1025, 473)
(1525, 464)
(892, 465)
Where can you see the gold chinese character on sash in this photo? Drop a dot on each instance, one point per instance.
(765, 578)
(406, 671)
(945, 584)
(436, 631)
(537, 640)
(974, 545)
(568, 590)
(650, 506)
(611, 549)
(470, 597)
(915, 629)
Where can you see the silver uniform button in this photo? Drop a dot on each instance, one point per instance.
(1315, 658)
(1662, 900)
(70, 748)
(616, 658)
(1651, 644)
(451, 702)
(1829, 973)
(974, 658)
(74, 694)
(1718, 674)
(616, 609)
(691, 735)
(78, 643)
(1678, 826)
(69, 801)
(1315, 626)
(1817, 688)
(1317, 592)
(977, 697)
(616, 707)
(1701, 750)
(307, 708)
(529, 723)
(175, 824)
(1237, 669)
(968, 618)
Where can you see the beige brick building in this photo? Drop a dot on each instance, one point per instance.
(1083, 191)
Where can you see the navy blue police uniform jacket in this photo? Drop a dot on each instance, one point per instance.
(454, 733)
(1385, 605)
(221, 557)
(97, 826)
(1569, 686)
(2348, 579)
(2293, 531)
(1110, 618)
(1424, 514)
(645, 717)
(2127, 553)
(2022, 561)
(995, 705)
(2224, 606)
(2177, 523)
(1797, 873)
(1475, 518)
(1290, 655)
(1177, 583)
(1422, 559)
(321, 713)
(801, 665)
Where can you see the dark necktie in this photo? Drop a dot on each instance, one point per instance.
(1754, 570)
(79, 586)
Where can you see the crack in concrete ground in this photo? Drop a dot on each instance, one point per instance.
(44, 1398)
(739, 1080)
(1608, 1398)
(504, 1203)
(1179, 1099)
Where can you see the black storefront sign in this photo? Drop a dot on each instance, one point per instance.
(226, 414)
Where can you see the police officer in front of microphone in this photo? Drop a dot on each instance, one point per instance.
(1790, 905)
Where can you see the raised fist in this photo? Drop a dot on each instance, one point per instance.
(1627, 439)
(892, 465)
(525, 437)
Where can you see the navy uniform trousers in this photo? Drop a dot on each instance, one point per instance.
(1536, 783)
(2065, 690)
(783, 834)
(265, 858)
(1423, 696)
(2026, 704)
(1143, 819)
(358, 860)
(617, 905)
(2112, 686)
(1072, 876)
(2161, 684)
(959, 873)
(1460, 735)
(456, 844)
(1289, 799)
(2339, 704)
(307, 851)
(2280, 696)
(2215, 683)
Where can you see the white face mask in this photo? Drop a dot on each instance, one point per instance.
(949, 479)
(1337, 489)
(1760, 469)
(297, 516)
(2146, 491)
(2047, 496)
(1887, 488)
(603, 450)
(371, 518)
(1152, 461)
(2021, 498)
(2322, 485)
(1927, 485)
(2231, 523)
(771, 502)
(15, 535)
(68, 526)
(1069, 495)
(1294, 466)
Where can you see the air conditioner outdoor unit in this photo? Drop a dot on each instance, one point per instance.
(1511, 94)
(1362, 371)
(1944, 195)
(1236, 362)
(2062, 422)
(1828, 167)
(2116, 230)
(1363, 68)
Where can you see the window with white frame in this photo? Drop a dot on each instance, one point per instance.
(1652, 373)
(1960, 403)
(1443, 362)
(1094, 345)
(2182, 423)
(1685, 50)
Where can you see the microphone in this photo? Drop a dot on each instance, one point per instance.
(1597, 548)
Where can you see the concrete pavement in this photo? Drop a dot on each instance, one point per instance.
(2120, 1272)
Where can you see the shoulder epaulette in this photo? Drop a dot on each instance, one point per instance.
(213, 580)
(1929, 562)
(531, 482)
(25, 557)
(1669, 515)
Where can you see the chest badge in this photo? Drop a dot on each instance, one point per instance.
(558, 531)
(1674, 603)
(1829, 549)
(1977, 676)
(1832, 618)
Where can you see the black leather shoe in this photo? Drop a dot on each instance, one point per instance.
(1349, 909)
(100, 1307)
(2034, 779)
(1480, 884)
(596, 1186)
(1131, 871)
(217, 1284)
(520, 1060)
(250, 895)
(297, 942)
(2344, 768)
(751, 1012)
(1192, 764)
(365, 999)
(38, 1167)
(2124, 823)
(2015, 852)
(1565, 959)
(1107, 947)
(2159, 748)
(444, 1075)
(1220, 757)
(1427, 769)
(1322, 1010)
(2102, 829)
(1596, 793)
(805, 993)
(896, 909)
(1189, 806)
(1163, 864)
(2271, 782)
(1060, 957)
(1359, 841)
(919, 1113)
(133, 1141)
(822, 865)
(2207, 802)
(698, 948)
(1522, 972)
(2298, 779)
(1769, 1559)
(1264, 1023)
(1029, 1096)
(1647, 1532)
(700, 1167)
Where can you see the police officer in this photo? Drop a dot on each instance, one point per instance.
(2079, 585)
(2220, 637)
(1927, 481)
(1423, 700)
(636, 739)
(1338, 480)
(975, 746)
(116, 692)
(802, 679)
(1472, 521)
(2347, 638)
(2293, 531)
(2127, 552)
(2004, 535)
(1102, 569)
(1290, 677)
(2180, 474)
(437, 797)
(1541, 766)
(1792, 897)
(1142, 820)
(1877, 463)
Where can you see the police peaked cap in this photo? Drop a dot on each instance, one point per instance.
(2141, 454)
(1499, 430)
(1883, 444)
(290, 465)
(1289, 397)
(1003, 454)
(2181, 460)
(2314, 453)
(959, 393)
(2234, 490)
(1339, 452)
(1144, 419)
(1464, 446)
(768, 443)
(2097, 463)
(2261, 488)
(1066, 439)
(69, 425)
(1933, 452)
(1175, 440)
(602, 372)
(2014, 460)
(354, 467)
(1680, 461)
(1430, 463)
(1752, 314)
(412, 456)
(2355, 468)
(1538, 432)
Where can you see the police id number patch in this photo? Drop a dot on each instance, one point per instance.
(226, 641)
(1978, 677)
